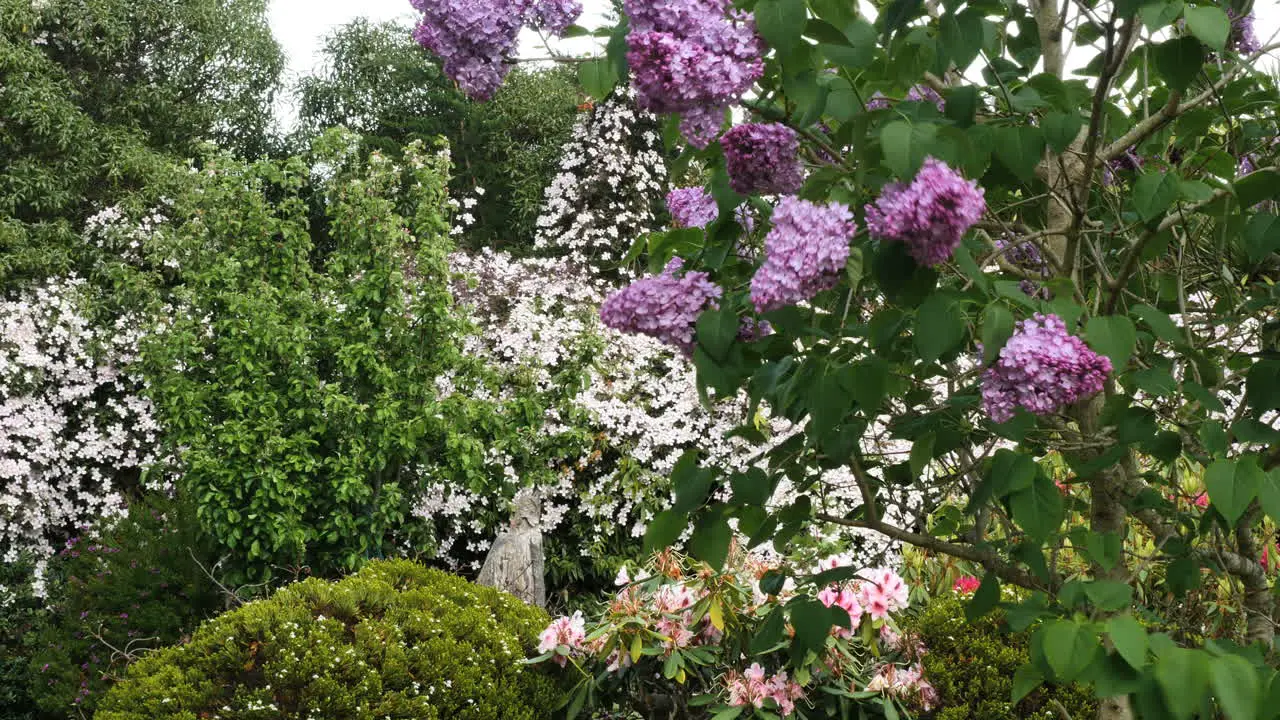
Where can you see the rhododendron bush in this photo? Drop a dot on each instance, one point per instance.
(1027, 242)
(679, 639)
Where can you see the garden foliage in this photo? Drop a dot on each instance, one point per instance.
(123, 587)
(1132, 144)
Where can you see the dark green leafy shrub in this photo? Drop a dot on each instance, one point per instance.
(971, 665)
(20, 612)
(126, 588)
(394, 640)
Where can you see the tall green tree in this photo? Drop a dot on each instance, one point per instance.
(377, 81)
(99, 96)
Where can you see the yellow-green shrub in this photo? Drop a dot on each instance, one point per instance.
(393, 640)
(971, 665)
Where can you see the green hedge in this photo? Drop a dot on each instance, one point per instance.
(394, 640)
(972, 665)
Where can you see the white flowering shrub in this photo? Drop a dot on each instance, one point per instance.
(610, 186)
(615, 413)
(74, 429)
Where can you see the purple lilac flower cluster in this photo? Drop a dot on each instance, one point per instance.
(1128, 161)
(750, 329)
(1042, 368)
(1242, 38)
(804, 253)
(474, 38)
(924, 93)
(691, 207)
(931, 215)
(1027, 256)
(663, 306)
(763, 158)
(877, 102)
(694, 57)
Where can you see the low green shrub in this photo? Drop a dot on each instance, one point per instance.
(971, 665)
(393, 640)
(125, 588)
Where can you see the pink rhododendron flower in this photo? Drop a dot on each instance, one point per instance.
(965, 584)
(564, 632)
(890, 584)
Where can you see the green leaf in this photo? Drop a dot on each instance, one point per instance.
(960, 37)
(579, 697)
(997, 328)
(921, 453)
(906, 145)
(1269, 494)
(770, 632)
(1153, 193)
(842, 101)
(846, 56)
(751, 487)
(1113, 336)
(1232, 485)
(1261, 236)
(1061, 129)
(1104, 549)
(1025, 679)
(1159, 322)
(1262, 386)
(1236, 686)
(1178, 61)
(1183, 677)
(1130, 640)
(1109, 595)
(1069, 648)
(729, 713)
(598, 78)
(717, 330)
(780, 22)
(1038, 509)
(899, 13)
(1160, 14)
(1209, 24)
(691, 483)
(985, 598)
(940, 326)
(962, 104)
(1020, 148)
(853, 267)
(664, 530)
(710, 541)
(812, 623)
(1011, 472)
(1257, 187)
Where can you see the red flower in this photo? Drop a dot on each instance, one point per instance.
(965, 585)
